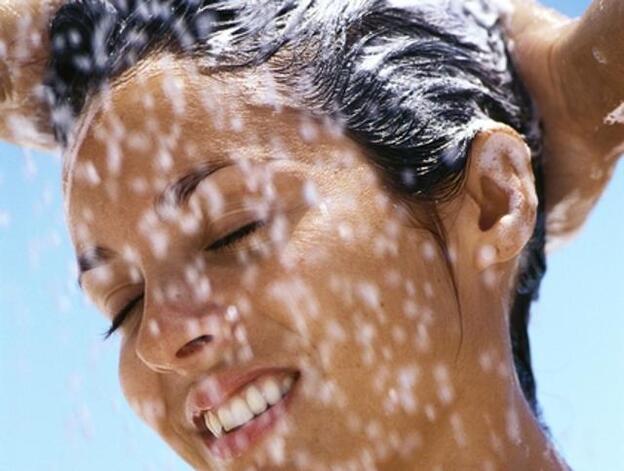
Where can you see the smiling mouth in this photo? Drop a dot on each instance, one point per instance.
(232, 427)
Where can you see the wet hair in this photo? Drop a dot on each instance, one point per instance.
(412, 81)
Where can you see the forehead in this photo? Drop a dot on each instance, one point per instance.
(165, 117)
(169, 94)
(170, 99)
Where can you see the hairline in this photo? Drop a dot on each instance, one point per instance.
(503, 105)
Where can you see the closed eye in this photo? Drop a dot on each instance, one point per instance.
(233, 238)
(228, 241)
(121, 316)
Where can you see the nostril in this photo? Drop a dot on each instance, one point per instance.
(194, 346)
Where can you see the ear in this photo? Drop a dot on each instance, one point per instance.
(498, 205)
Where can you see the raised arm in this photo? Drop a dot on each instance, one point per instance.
(24, 51)
(574, 69)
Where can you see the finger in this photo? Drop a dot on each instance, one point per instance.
(24, 52)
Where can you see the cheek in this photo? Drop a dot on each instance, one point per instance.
(374, 318)
(141, 387)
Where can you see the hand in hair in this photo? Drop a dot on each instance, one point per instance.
(574, 69)
(24, 54)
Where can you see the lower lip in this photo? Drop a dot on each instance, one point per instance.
(234, 444)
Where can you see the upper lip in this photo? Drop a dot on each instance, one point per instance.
(210, 392)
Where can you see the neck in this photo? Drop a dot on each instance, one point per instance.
(489, 425)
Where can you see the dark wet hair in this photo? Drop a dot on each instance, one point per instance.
(409, 80)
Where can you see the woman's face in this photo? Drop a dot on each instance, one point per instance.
(260, 249)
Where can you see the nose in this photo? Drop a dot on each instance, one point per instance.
(179, 335)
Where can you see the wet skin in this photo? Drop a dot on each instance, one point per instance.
(340, 281)
(545, 50)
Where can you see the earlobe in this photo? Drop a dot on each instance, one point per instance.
(500, 205)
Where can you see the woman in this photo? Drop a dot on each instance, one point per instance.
(260, 294)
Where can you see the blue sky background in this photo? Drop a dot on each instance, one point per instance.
(60, 403)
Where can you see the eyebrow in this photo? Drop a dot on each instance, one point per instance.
(91, 259)
(179, 192)
(176, 194)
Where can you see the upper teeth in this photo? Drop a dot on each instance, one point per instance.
(251, 401)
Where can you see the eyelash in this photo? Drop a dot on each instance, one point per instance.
(121, 316)
(235, 237)
(230, 240)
